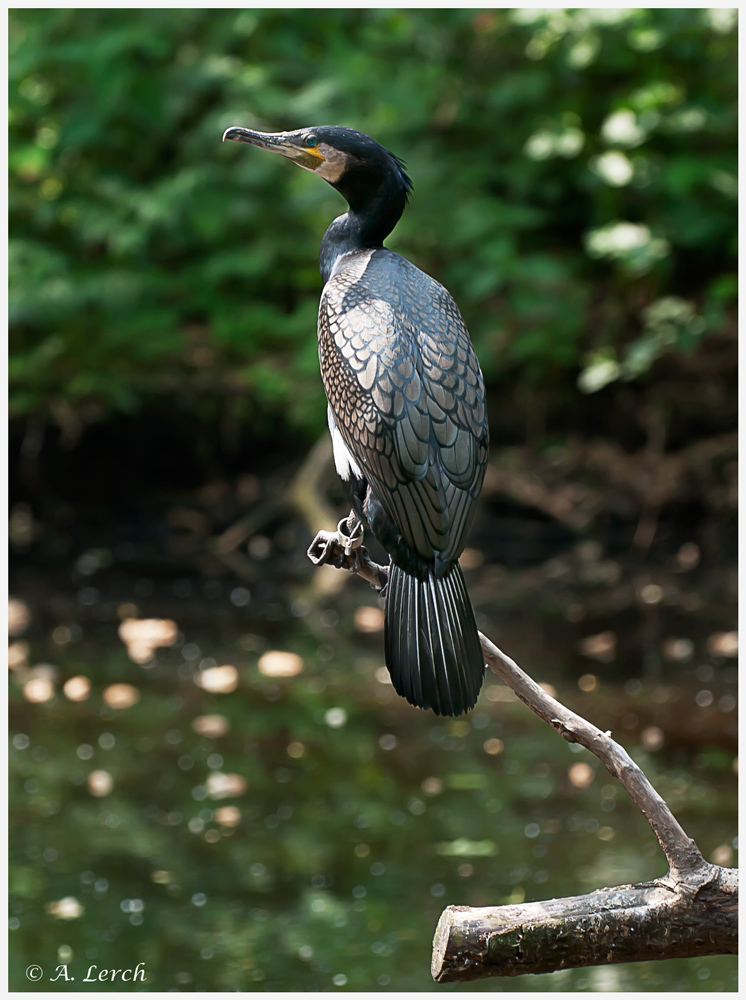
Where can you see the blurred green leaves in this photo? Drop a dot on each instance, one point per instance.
(669, 322)
(572, 168)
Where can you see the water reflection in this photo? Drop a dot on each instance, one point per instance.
(240, 813)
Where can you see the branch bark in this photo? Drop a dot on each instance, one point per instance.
(691, 911)
(630, 923)
(681, 852)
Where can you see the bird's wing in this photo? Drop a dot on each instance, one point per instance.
(407, 395)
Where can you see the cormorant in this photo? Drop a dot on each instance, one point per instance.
(406, 412)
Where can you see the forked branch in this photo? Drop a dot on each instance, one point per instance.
(691, 911)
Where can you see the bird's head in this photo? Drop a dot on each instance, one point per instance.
(353, 163)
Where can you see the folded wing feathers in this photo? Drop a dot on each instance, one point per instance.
(415, 380)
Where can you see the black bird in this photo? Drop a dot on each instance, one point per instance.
(406, 412)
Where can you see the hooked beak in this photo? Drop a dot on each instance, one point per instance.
(275, 141)
(289, 144)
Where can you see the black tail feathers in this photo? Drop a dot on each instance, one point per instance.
(433, 651)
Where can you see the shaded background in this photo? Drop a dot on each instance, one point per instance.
(287, 823)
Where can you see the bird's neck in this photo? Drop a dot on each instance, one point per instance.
(343, 235)
(365, 226)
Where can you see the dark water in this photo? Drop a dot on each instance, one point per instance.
(354, 819)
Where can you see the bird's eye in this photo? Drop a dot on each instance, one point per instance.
(311, 140)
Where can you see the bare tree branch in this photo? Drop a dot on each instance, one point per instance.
(681, 852)
(327, 549)
(691, 911)
(630, 923)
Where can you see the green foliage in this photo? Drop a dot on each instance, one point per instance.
(574, 171)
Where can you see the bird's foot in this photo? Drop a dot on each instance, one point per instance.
(350, 533)
(344, 549)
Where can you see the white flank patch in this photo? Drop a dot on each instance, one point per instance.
(343, 460)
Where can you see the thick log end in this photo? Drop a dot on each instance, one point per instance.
(644, 922)
(449, 945)
(440, 942)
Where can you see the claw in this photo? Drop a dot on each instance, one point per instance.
(343, 551)
(351, 541)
